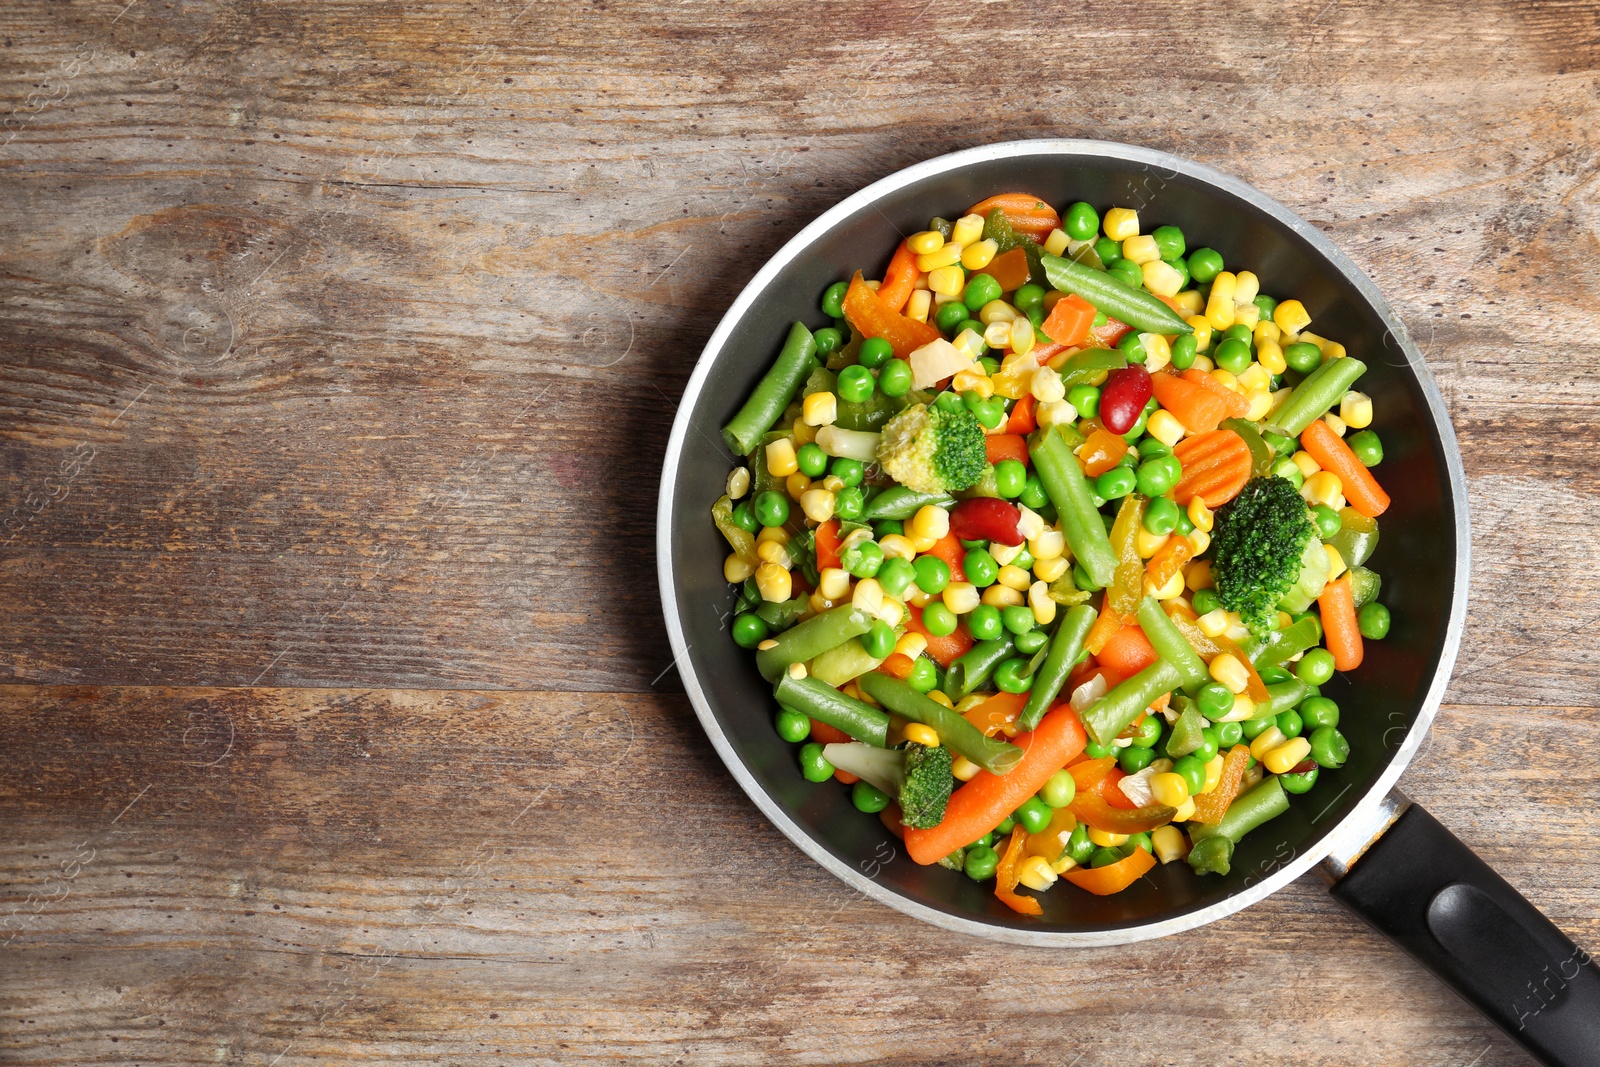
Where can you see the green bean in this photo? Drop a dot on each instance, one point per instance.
(1069, 491)
(957, 734)
(1248, 811)
(1282, 696)
(1143, 311)
(1065, 648)
(821, 701)
(773, 393)
(898, 502)
(843, 662)
(1091, 366)
(1111, 714)
(1171, 645)
(812, 638)
(1320, 391)
(1285, 644)
(1261, 457)
(971, 670)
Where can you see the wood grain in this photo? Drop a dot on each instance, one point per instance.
(339, 344)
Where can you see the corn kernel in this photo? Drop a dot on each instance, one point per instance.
(1064, 864)
(1246, 287)
(1148, 544)
(1316, 339)
(926, 242)
(1107, 839)
(978, 254)
(997, 334)
(970, 342)
(1004, 554)
(1255, 377)
(1323, 487)
(1029, 522)
(1213, 773)
(1335, 562)
(1266, 741)
(736, 568)
(1015, 578)
(1048, 570)
(1220, 306)
(1164, 427)
(1200, 540)
(772, 533)
(1167, 841)
(1141, 249)
(1260, 403)
(897, 546)
(833, 484)
(911, 645)
(1267, 331)
(1202, 517)
(892, 612)
(1202, 331)
(1290, 316)
(1247, 315)
(1044, 609)
(1356, 410)
(1035, 873)
(1335, 423)
(947, 280)
(1022, 336)
(868, 596)
(996, 311)
(1227, 669)
(1244, 709)
(918, 306)
(1048, 543)
(973, 381)
(780, 458)
(1120, 223)
(1283, 759)
(1157, 353)
(938, 698)
(923, 544)
(922, 735)
(961, 597)
(1002, 596)
(1226, 380)
(964, 769)
(817, 504)
(1308, 466)
(1203, 363)
(1046, 386)
(773, 583)
(796, 485)
(929, 521)
(1190, 302)
(1197, 575)
(1185, 811)
(967, 229)
(774, 552)
(804, 433)
(947, 255)
(1169, 788)
(1161, 278)
(1332, 350)
(1213, 623)
(1170, 591)
(1056, 244)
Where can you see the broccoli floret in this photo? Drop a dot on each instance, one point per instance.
(933, 450)
(917, 776)
(1259, 543)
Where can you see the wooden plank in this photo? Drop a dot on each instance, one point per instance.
(430, 876)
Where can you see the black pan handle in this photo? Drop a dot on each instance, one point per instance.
(1422, 888)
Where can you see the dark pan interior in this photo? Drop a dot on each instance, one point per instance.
(1416, 555)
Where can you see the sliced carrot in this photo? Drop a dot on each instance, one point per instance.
(944, 650)
(1238, 404)
(1360, 487)
(948, 548)
(891, 817)
(1337, 605)
(1216, 466)
(899, 278)
(1024, 419)
(844, 777)
(1102, 451)
(1113, 877)
(824, 734)
(898, 665)
(1001, 446)
(1127, 652)
(1191, 404)
(1108, 335)
(1070, 321)
(1026, 213)
(979, 805)
(1010, 269)
(828, 543)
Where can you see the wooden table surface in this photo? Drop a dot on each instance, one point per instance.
(341, 342)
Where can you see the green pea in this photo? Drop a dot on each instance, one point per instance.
(1138, 428)
(1209, 745)
(772, 508)
(1085, 399)
(1079, 847)
(1289, 471)
(1028, 297)
(744, 517)
(1317, 712)
(1233, 356)
(986, 841)
(1081, 579)
(812, 459)
(1059, 789)
(879, 641)
(867, 559)
(984, 622)
(933, 574)
(1215, 700)
(981, 288)
(827, 340)
(749, 630)
(1180, 265)
(896, 576)
(1302, 356)
(1367, 447)
(938, 619)
(1327, 521)
(1373, 621)
(856, 384)
(1033, 494)
(895, 378)
(1254, 728)
(1116, 483)
(1329, 747)
(1127, 272)
(980, 863)
(875, 352)
(1134, 759)
(1299, 783)
(1148, 732)
(991, 412)
(1204, 264)
(1010, 478)
(1316, 667)
(1131, 347)
(1012, 676)
(848, 471)
(1032, 641)
(951, 314)
(884, 527)
(1206, 601)
(813, 764)
(868, 798)
(1157, 476)
(1018, 619)
(1183, 352)
(1161, 517)
(990, 365)
(1290, 723)
(1007, 824)
(1095, 750)
(1279, 444)
(848, 504)
(1229, 734)
(1104, 857)
(1138, 840)
(1193, 770)
(1169, 241)
(950, 402)
(924, 675)
(833, 300)
(1082, 222)
(1034, 815)
(1108, 250)
(793, 726)
(1267, 306)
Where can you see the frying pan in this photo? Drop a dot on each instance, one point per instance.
(1386, 858)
